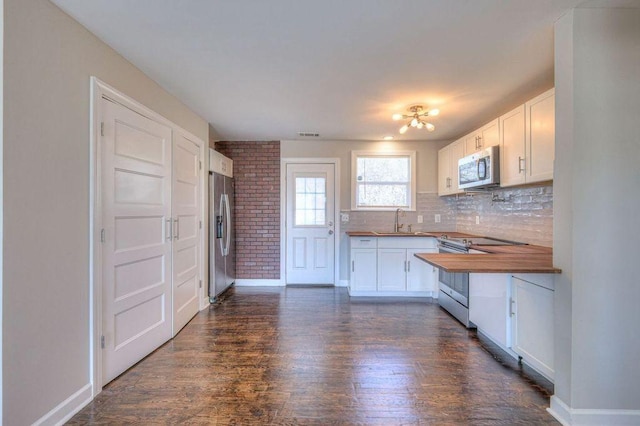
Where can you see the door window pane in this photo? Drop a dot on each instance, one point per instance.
(311, 201)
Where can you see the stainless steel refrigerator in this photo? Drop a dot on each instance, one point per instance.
(222, 265)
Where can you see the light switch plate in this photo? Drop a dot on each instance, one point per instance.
(437, 218)
(420, 218)
(344, 217)
(477, 220)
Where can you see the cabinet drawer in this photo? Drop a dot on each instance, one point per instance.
(363, 242)
(407, 242)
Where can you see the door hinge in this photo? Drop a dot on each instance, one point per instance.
(102, 341)
(102, 235)
(200, 165)
(200, 283)
(200, 224)
(102, 128)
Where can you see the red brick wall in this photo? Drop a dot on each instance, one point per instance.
(256, 172)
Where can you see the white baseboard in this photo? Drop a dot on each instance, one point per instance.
(591, 417)
(67, 408)
(342, 283)
(357, 293)
(244, 282)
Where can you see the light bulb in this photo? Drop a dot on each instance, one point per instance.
(430, 127)
(414, 122)
(404, 129)
(420, 125)
(434, 112)
(396, 117)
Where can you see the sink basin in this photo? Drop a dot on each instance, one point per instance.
(400, 233)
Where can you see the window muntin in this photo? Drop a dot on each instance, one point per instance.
(383, 181)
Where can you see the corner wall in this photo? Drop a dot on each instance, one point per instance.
(49, 59)
(596, 221)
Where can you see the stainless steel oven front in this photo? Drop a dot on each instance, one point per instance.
(453, 293)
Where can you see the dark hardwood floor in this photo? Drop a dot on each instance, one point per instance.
(299, 356)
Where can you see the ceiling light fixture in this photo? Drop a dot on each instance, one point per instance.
(416, 118)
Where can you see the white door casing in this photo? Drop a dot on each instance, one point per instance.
(136, 253)
(187, 228)
(310, 224)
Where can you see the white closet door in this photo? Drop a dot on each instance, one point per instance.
(187, 218)
(136, 205)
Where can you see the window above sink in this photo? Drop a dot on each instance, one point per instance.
(383, 180)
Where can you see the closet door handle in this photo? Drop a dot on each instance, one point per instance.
(176, 225)
(168, 231)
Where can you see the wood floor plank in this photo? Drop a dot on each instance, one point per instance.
(306, 356)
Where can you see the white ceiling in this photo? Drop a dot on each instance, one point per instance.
(265, 70)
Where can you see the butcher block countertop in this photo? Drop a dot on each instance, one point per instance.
(515, 262)
(431, 234)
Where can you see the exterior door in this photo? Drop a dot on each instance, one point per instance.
(310, 240)
(187, 224)
(135, 176)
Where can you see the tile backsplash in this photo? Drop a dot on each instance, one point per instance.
(520, 214)
(429, 204)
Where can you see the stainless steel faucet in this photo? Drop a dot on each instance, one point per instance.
(397, 227)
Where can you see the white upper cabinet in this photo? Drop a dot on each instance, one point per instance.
(448, 168)
(512, 147)
(527, 142)
(485, 137)
(540, 137)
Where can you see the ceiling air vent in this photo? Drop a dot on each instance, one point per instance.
(309, 134)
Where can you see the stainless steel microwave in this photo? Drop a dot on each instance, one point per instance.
(480, 169)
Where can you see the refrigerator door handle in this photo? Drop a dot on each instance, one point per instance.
(221, 225)
(227, 212)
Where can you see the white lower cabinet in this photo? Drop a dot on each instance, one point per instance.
(489, 296)
(391, 268)
(421, 276)
(532, 321)
(364, 260)
(516, 313)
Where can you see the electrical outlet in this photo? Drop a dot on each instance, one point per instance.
(477, 220)
(437, 218)
(420, 218)
(344, 217)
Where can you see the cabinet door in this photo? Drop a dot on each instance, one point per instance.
(512, 147)
(489, 135)
(392, 269)
(444, 169)
(421, 276)
(363, 269)
(540, 137)
(533, 325)
(457, 152)
(472, 142)
(489, 306)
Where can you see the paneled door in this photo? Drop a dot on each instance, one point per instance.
(135, 183)
(187, 225)
(310, 230)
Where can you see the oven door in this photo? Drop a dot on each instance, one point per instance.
(455, 284)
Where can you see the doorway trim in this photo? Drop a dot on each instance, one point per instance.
(98, 91)
(283, 212)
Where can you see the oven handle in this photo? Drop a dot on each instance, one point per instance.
(446, 249)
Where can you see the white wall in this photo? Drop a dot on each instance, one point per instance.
(427, 159)
(48, 61)
(1, 182)
(427, 170)
(596, 213)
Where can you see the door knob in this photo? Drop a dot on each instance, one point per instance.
(330, 232)
(330, 223)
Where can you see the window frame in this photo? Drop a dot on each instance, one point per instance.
(411, 155)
